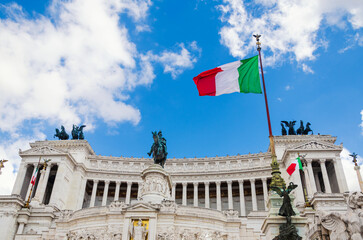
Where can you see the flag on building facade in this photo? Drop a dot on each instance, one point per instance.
(296, 165)
(240, 76)
(34, 177)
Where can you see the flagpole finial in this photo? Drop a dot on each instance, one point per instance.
(257, 36)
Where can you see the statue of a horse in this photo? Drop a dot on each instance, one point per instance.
(307, 129)
(290, 125)
(61, 135)
(301, 129)
(283, 130)
(77, 132)
(158, 149)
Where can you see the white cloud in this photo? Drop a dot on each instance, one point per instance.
(287, 87)
(76, 64)
(173, 62)
(306, 68)
(361, 125)
(350, 173)
(288, 27)
(9, 151)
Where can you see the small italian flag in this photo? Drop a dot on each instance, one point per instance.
(34, 177)
(296, 165)
(240, 76)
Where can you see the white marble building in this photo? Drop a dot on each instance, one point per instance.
(82, 195)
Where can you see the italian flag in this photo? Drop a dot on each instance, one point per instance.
(34, 177)
(240, 76)
(294, 166)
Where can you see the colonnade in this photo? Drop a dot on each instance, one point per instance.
(196, 185)
(312, 180)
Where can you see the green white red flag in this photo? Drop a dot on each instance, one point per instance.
(34, 177)
(296, 165)
(240, 76)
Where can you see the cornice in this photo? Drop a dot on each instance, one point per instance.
(303, 138)
(64, 144)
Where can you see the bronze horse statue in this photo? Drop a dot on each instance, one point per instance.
(61, 135)
(158, 149)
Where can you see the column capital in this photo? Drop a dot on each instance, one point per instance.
(118, 182)
(95, 181)
(184, 184)
(173, 184)
(195, 184)
(309, 160)
(206, 183)
(264, 179)
(322, 160)
(252, 180)
(240, 181)
(107, 182)
(218, 183)
(129, 183)
(229, 182)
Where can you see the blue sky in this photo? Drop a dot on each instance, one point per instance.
(125, 68)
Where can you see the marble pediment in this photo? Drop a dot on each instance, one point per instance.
(142, 207)
(315, 145)
(44, 150)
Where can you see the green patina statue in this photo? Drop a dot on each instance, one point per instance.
(287, 230)
(61, 135)
(77, 132)
(158, 149)
(300, 131)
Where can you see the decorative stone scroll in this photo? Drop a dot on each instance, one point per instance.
(349, 225)
(156, 185)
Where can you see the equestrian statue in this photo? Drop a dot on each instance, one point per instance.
(77, 132)
(300, 131)
(61, 135)
(158, 149)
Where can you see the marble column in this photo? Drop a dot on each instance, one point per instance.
(343, 180)
(265, 192)
(42, 184)
(105, 193)
(299, 193)
(242, 198)
(60, 186)
(117, 191)
(253, 193)
(19, 179)
(219, 200)
(81, 194)
(325, 176)
(206, 194)
(128, 192)
(195, 184)
(184, 200)
(318, 186)
(139, 184)
(173, 191)
(311, 177)
(230, 197)
(30, 186)
(307, 182)
(93, 196)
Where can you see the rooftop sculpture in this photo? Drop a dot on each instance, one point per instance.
(158, 149)
(290, 125)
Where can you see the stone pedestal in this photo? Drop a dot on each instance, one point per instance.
(156, 185)
(271, 224)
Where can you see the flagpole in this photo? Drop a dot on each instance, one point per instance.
(276, 180)
(31, 189)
